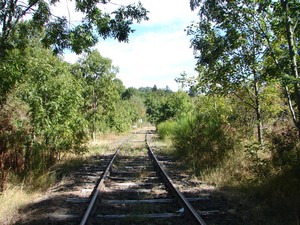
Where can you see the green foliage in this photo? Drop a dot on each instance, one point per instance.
(54, 100)
(129, 93)
(272, 102)
(96, 75)
(127, 113)
(243, 117)
(59, 34)
(153, 105)
(204, 138)
(122, 118)
(120, 86)
(42, 118)
(177, 105)
(166, 129)
(12, 67)
(168, 106)
(247, 45)
(138, 109)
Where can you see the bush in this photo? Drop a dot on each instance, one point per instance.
(285, 145)
(204, 138)
(165, 129)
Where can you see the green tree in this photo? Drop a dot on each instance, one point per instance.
(120, 86)
(128, 113)
(12, 68)
(272, 28)
(176, 106)
(59, 34)
(54, 107)
(129, 93)
(283, 49)
(154, 89)
(153, 105)
(96, 74)
(163, 106)
(231, 43)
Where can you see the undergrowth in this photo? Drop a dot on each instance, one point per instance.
(264, 181)
(22, 190)
(11, 200)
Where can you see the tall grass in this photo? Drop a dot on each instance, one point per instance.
(203, 139)
(166, 129)
(11, 200)
(263, 180)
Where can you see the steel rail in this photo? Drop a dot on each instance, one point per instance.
(86, 216)
(188, 208)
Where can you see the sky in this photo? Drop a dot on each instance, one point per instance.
(159, 49)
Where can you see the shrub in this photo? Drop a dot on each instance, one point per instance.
(165, 129)
(285, 145)
(203, 138)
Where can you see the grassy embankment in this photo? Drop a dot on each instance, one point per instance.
(263, 182)
(21, 191)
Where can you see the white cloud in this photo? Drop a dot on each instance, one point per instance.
(166, 11)
(158, 51)
(151, 58)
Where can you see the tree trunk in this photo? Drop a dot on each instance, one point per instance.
(94, 117)
(258, 110)
(290, 36)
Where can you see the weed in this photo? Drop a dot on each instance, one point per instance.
(11, 200)
(165, 129)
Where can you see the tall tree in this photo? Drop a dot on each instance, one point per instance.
(273, 24)
(59, 34)
(96, 74)
(54, 108)
(284, 50)
(229, 52)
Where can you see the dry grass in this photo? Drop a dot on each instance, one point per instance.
(104, 144)
(11, 200)
(15, 197)
(232, 171)
(104, 139)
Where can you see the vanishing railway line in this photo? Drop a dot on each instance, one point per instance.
(135, 188)
(131, 186)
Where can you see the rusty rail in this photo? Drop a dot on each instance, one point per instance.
(188, 208)
(184, 203)
(88, 212)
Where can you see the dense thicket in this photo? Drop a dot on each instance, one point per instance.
(58, 107)
(243, 131)
(47, 106)
(247, 45)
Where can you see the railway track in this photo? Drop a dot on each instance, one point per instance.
(131, 186)
(135, 189)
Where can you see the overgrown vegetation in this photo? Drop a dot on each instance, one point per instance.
(203, 138)
(49, 108)
(213, 144)
(243, 134)
(237, 127)
(20, 192)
